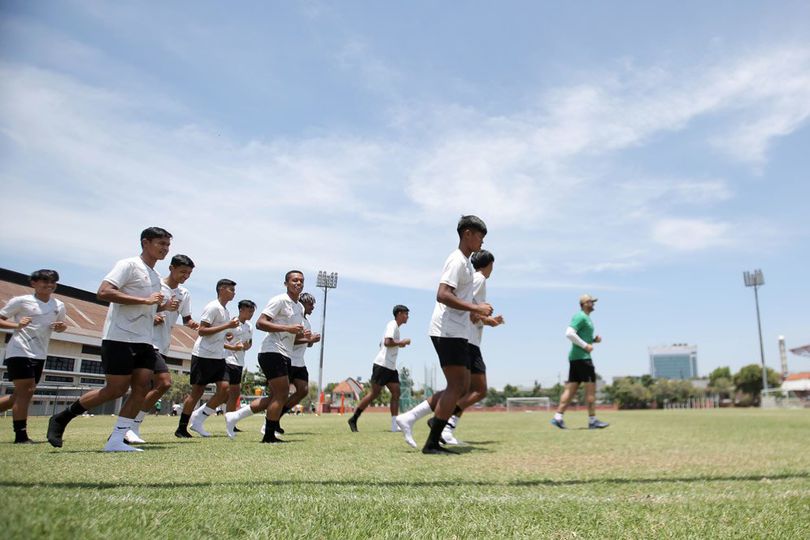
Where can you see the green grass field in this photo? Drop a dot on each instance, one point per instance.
(652, 474)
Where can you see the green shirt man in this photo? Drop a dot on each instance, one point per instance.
(583, 325)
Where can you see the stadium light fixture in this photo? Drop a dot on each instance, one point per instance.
(756, 280)
(326, 281)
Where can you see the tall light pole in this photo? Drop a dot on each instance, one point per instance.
(756, 280)
(326, 281)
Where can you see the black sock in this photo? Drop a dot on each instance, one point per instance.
(70, 413)
(270, 430)
(356, 415)
(184, 419)
(20, 430)
(285, 410)
(458, 410)
(436, 431)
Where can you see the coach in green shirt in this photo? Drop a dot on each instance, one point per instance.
(581, 334)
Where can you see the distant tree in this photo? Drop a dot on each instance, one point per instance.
(630, 394)
(647, 381)
(248, 383)
(719, 373)
(180, 387)
(494, 397)
(722, 386)
(749, 380)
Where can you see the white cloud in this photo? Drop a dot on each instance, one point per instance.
(690, 234)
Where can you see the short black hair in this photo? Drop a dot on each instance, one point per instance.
(399, 308)
(154, 232)
(306, 298)
(481, 259)
(182, 260)
(225, 283)
(471, 222)
(45, 275)
(246, 304)
(287, 275)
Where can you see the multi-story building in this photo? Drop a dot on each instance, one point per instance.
(73, 365)
(677, 361)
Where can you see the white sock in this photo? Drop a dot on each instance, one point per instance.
(121, 427)
(558, 416)
(140, 417)
(591, 419)
(453, 422)
(208, 411)
(421, 410)
(244, 412)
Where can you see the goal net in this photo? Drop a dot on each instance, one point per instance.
(528, 404)
(782, 399)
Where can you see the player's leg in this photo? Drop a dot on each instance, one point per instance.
(23, 392)
(140, 383)
(280, 389)
(234, 387)
(590, 398)
(202, 413)
(568, 394)
(458, 381)
(197, 391)
(161, 382)
(365, 402)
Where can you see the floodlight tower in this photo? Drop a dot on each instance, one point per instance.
(756, 280)
(326, 281)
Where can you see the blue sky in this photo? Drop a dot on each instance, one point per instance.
(647, 154)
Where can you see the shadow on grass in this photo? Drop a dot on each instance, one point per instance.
(420, 484)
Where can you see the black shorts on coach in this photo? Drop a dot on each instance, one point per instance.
(22, 367)
(477, 365)
(299, 373)
(451, 351)
(122, 358)
(382, 375)
(233, 374)
(581, 371)
(274, 365)
(207, 370)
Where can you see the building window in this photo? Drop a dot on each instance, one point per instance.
(91, 349)
(92, 366)
(60, 363)
(89, 380)
(58, 378)
(174, 361)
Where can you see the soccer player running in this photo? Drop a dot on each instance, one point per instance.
(299, 375)
(282, 319)
(483, 262)
(581, 334)
(450, 332)
(32, 317)
(240, 340)
(384, 372)
(178, 304)
(208, 361)
(127, 355)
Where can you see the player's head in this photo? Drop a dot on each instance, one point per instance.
(401, 314)
(155, 242)
(44, 282)
(180, 268)
(471, 232)
(294, 281)
(226, 289)
(246, 309)
(308, 301)
(587, 302)
(48, 276)
(483, 262)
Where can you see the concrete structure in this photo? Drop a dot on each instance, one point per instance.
(677, 361)
(73, 365)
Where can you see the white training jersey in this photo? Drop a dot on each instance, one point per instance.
(212, 346)
(162, 334)
(241, 334)
(132, 323)
(299, 349)
(387, 356)
(282, 309)
(32, 340)
(479, 297)
(446, 321)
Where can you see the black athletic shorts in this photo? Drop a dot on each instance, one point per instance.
(581, 371)
(234, 374)
(207, 370)
(160, 363)
(21, 367)
(451, 351)
(477, 364)
(382, 375)
(122, 358)
(299, 373)
(274, 365)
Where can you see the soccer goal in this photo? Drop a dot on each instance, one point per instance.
(527, 404)
(781, 399)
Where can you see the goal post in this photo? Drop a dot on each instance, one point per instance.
(528, 404)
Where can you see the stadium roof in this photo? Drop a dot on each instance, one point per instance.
(801, 351)
(797, 382)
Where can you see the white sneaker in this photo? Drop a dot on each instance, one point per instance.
(199, 429)
(261, 430)
(131, 437)
(120, 446)
(230, 423)
(394, 426)
(448, 437)
(405, 424)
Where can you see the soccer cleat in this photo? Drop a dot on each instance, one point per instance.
(55, 432)
(119, 446)
(230, 424)
(448, 437)
(438, 450)
(597, 424)
(559, 423)
(280, 431)
(236, 430)
(352, 424)
(132, 438)
(199, 430)
(25, 441)
(182, 434)
(405, 425)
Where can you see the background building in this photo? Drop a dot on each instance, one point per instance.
(73, 365)
(677, 361)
